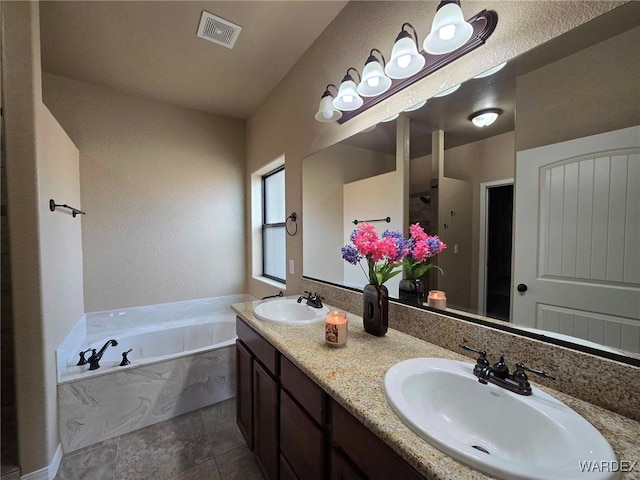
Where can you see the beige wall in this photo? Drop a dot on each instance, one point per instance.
(46, 250)
(556, 103)
(163, 190)
(285, 123)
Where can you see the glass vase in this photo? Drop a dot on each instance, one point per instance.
(375, 309)
(411, 291)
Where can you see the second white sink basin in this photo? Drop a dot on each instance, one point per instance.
(498, 432)
(288, 311)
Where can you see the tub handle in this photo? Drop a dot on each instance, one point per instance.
(125, 360)
(83, 361)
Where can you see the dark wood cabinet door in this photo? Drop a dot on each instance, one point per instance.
(301, 440)
(265, 421)
(244, 392)
(342, 468)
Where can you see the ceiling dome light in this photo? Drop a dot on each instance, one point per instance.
(484, 118)
(491, 71)
(374, 81)
(405, 60)
(448, 91)
(326, 112)
(392, 117)
(449, 30)
(415, 107)
(348, 99)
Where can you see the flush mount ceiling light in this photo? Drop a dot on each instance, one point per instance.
(484, 118)
(415, 107)
(380, 79)
(405, 60)
(374, 81)
(326, 112)
(448, 91)
(449, 30)
(491, 71)
(348, 98)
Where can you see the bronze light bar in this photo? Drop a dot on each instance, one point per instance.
(483, 23)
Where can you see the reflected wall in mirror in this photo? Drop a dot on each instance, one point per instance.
(540, 210)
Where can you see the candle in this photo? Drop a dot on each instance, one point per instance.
(335, 328)
(437, 299)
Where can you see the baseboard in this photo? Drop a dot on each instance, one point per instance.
(49, 472)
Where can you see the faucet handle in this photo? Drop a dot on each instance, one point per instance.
(521, 367)
(482, 359)
(82, 360)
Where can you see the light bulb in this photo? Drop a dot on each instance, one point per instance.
(327, 114)
(373, 81)
(347, 98)
(447, 32)
(404, 61)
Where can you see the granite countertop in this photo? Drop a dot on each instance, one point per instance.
(354, 376)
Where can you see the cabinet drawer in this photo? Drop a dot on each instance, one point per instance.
(261, 349)
(302, 389)
(301, 440)
(372, 455)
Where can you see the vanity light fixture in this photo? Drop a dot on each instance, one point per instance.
(484, 118)
(405, 60)
(491, 71)
(374, 81)
(449, 30)
(407, 65)
(348, 98)
(326, 112)
(415, 107)
(448, 91)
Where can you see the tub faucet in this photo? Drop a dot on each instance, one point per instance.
(95, 357)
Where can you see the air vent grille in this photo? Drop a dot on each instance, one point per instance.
(218, 30)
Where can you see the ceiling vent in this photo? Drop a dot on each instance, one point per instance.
(218, 30)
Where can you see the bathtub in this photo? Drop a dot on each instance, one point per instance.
(182, 359)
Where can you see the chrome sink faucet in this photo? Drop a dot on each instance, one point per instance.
(313, 299)
(94, 359)
(498, 374)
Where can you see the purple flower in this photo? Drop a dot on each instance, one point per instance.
(400, 244)
(351, 254)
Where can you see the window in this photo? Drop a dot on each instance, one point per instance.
(273, 226)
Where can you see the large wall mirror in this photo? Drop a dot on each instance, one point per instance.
(540, 210)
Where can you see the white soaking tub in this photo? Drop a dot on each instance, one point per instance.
(181, 358)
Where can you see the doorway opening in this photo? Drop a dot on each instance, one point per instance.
(496, 223)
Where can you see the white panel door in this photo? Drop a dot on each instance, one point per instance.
(577, 238)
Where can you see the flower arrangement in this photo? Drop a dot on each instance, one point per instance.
(420, 248)
(384, 254)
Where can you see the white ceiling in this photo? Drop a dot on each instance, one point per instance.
(151, 49)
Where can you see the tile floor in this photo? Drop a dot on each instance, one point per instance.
(201, 445)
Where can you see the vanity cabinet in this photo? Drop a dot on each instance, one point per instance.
(295, 429)
(257, 397)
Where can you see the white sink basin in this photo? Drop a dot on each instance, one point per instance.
(288, 311)
(498, 432)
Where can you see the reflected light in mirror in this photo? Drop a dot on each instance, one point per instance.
(392, 117)
(416, 106)
(484, 118)
(448, 91)
(491, 71)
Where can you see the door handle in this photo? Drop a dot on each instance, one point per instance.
(522, 288)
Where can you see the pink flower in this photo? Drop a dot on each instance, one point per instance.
(417, 232)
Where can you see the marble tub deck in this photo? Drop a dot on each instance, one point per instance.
(354, 375)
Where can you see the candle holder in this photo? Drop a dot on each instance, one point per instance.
(437, 299)
(335, 329)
